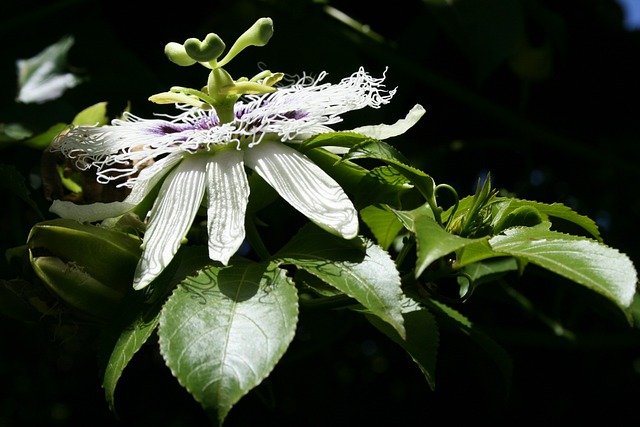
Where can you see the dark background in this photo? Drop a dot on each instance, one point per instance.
(541, 94)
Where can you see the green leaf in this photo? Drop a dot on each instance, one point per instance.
(10, 132)
(432, 241)
(587, 262)
(422, 337)
(370, 278)
(223, 331)
(383, 184)
(123, 338)
(383, 223)
(43, 140)
(139, 317)
(505, 206)
(94, 115)
(334, 139)
(523, 216)
(490, 270)
(380, 150)
(347, 174)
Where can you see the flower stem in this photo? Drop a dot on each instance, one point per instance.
(255, 240)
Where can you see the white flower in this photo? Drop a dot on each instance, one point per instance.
(203, 162)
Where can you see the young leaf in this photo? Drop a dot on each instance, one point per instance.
(370, 278)
(432, 241)
(223, 331)
(505, 206)
(383, 223)
(334, 139)
(587, 262)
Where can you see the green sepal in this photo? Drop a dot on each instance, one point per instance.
(89, 268)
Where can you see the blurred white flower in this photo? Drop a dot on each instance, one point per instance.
(40, 78)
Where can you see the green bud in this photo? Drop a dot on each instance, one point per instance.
(205, 51)
(178, 55)
(89, 268)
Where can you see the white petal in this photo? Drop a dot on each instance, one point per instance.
(398, 128)
(170, 218)
(228, 194)
(90, 213)
(147, 179)
(305, 186)
(150, 176)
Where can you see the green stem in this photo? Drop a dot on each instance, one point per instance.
(405, 250)
(255, 240)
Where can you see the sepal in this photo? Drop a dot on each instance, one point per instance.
(88, 268)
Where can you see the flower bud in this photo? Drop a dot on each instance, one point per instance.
(87, 267)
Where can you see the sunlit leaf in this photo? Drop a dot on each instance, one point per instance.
(383, 184)
(380, 150)
(371, 278)
(505, 206)
(587, 262)
(94, 115)
(223, 330)
(383, 223)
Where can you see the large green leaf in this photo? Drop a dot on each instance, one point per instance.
(587, 262)
(223, 330)
(370, 278)
(422, 337)
(139, 318)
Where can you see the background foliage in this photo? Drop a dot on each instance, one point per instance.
(539, 93)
